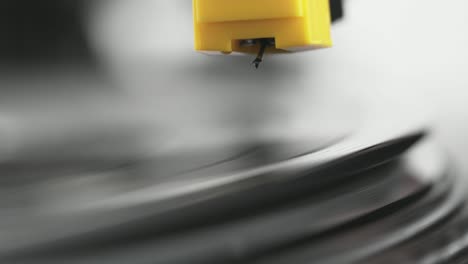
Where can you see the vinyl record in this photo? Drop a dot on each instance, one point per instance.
(276, 203)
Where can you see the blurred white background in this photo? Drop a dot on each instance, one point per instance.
(407, 58)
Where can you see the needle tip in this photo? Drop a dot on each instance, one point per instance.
(256, 63)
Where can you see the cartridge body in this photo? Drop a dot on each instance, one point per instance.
(295, 25)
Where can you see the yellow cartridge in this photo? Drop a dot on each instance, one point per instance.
(231, 25)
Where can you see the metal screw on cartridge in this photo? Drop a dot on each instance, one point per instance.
(248, 42)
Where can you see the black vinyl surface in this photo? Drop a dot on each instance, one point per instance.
(359, 199)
